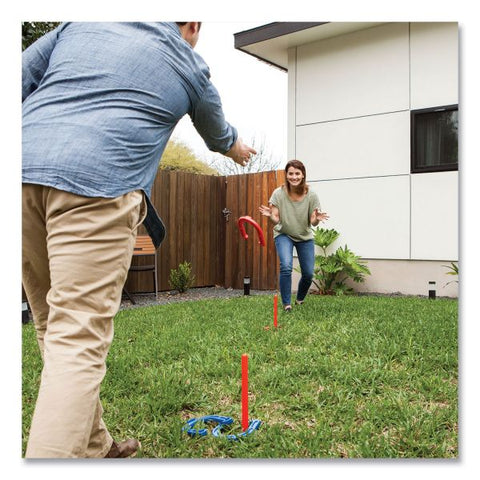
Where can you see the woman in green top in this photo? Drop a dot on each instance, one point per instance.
(293, 209)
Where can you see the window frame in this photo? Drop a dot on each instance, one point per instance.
(431, 168)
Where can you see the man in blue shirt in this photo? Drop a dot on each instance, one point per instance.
(100, 101)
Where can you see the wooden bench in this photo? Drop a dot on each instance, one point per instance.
(144, 247)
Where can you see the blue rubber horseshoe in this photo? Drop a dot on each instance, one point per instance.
(252, 426)
(221, 422)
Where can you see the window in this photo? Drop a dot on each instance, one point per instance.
(434, 137)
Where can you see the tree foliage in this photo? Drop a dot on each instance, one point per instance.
(32, 31)
(178, 156)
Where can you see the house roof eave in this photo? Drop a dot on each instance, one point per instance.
(270, 42)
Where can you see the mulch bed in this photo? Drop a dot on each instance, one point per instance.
(203, 293)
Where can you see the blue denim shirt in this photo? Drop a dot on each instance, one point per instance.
(100, 101)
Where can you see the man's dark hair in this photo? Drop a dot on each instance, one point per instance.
(181, 24)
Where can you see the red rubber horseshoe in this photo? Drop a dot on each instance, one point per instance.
(241, 227)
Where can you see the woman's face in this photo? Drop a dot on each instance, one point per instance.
(294, 176)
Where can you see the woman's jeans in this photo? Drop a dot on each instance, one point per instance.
(306, 258)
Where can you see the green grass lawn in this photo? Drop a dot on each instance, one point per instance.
(356, 377)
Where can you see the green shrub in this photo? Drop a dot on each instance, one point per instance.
(332, 270)
(181, 279)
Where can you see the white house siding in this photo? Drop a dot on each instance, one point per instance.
(371, 146)
(358, 74)
(350, 98)
(434, 216)
(434, 64)
(362, 209)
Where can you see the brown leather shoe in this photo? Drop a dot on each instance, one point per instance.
(123, 449)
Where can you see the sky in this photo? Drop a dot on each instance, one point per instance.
(253, 93)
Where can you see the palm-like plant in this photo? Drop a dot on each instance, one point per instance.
(453, 270)
(332, 270)
(324, 237)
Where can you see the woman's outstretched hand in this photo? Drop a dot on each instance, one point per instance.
(266, 211)
(271, 212)
(318, 217)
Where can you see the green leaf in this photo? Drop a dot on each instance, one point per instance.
(324, 237)
(452, 267)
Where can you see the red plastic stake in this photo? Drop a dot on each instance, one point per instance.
(244, 391)
(275, 310)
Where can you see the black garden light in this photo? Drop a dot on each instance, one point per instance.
(246, 285)
(243, 233)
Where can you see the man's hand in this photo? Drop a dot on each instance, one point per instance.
(240, 153)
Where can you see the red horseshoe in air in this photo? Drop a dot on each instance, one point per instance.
(241, 227)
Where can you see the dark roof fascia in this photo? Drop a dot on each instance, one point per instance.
(268, 62)
(271, 30)
(268, 32)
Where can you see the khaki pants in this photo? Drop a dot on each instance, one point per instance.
(76, 252)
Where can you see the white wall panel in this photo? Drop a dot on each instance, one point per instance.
(361, 147)
(361, 73)
(292, 101)
(434, 64)
(372, 215)
(435, 216)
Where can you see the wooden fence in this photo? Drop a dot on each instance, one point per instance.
(200, 213)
